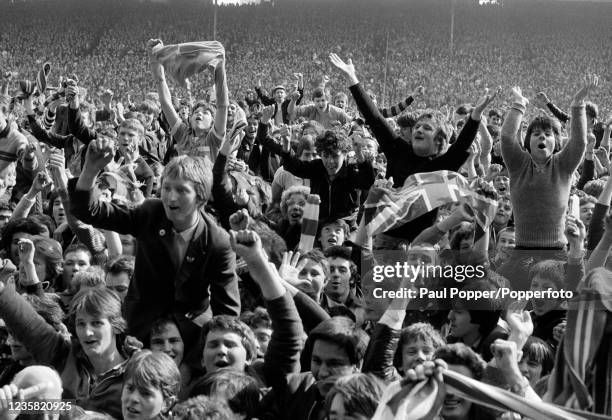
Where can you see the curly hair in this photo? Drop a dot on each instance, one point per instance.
(460, 354)
(331, 142)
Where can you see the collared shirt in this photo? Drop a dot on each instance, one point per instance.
(182, 240)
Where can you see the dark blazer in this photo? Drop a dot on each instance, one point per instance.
(163, 285)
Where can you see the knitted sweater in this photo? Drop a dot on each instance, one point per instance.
(540, 192)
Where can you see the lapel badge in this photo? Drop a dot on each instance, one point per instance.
(190, 259)
(162, 232)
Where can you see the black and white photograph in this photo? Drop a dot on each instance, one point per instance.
(305, 209)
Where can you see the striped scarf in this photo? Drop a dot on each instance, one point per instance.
(423, 400)
(310, 222)
(238, 126)
(582, 375)
(386, 209)
(38, 87)
(182, 61)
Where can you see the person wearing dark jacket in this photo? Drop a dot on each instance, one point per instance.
(428, 150)
(335, 181)
(184, 263)
(280, 101)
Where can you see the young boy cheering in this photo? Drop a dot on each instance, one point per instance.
(184, 262)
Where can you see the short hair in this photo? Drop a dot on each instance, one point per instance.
(592, 111)
(484, 312)
(407, 120)
(148, 369)
(443, 131)
(495, 113)
(340, 95)
(316, 126)
(205, 106)
(201, 407)
(197, 170)
(306, 142)
(231, 324)
(92, 277)
(294, 189)
(44, 220)
(319, 93)
(338, 251)
(148, 107)
(550, 270)
(158, 326)
(344, 333)
(133, 124)
(539, 351)
(330, 221)
(238, 389)
(360, 392)
(100, 303)
(542, 122)
(18, 226)
(332, 142)
(78, 247)
(259, 317)
(421, 331)
(460, 354)
(317, 257)
(509, 229)
(121, 264)
(51, 251)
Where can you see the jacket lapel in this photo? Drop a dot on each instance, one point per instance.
(194, 256)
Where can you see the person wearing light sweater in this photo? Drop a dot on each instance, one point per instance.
(540, 182)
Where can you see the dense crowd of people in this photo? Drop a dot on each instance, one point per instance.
(274, 226)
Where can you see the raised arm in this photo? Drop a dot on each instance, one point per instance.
(43, 135)
(282, 357)
(512, 152)
(572, 153)
(223, 197)
(48, 346)
(292, 108)
(222, 95)
(76, 126)
(372, 115)
(87, 207)
(265, 99)
(159, 75)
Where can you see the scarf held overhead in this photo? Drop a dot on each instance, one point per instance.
(386, 208)
(424, 400)
(181, 61)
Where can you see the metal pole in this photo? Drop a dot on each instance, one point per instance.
(452, 26)
(384, 92)
(215, 20)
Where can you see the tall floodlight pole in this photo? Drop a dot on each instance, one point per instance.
(384, 92)
(452, 26)
(214, 20)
